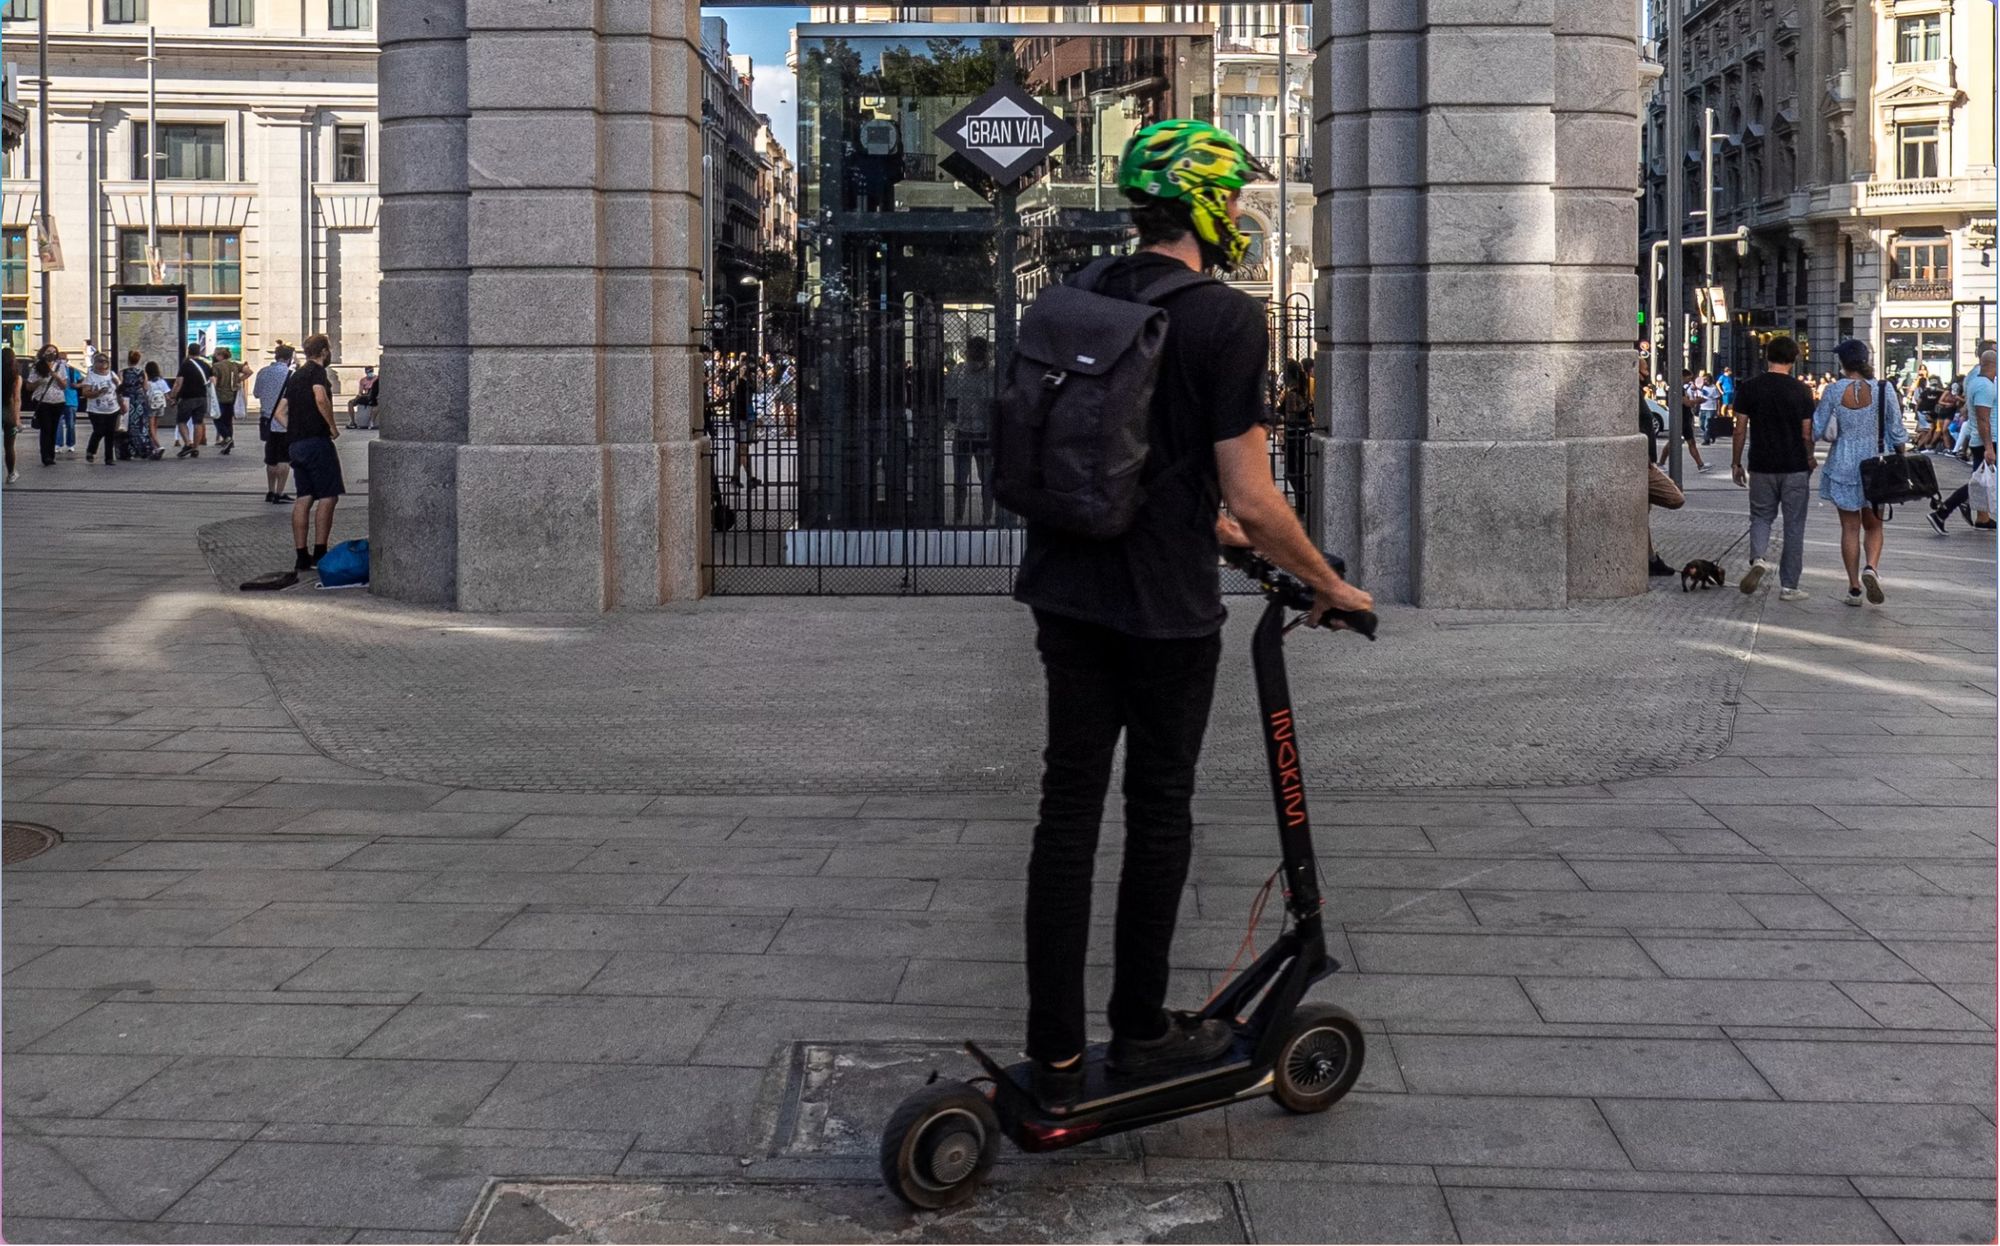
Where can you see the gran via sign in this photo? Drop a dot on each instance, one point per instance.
(1005, 133)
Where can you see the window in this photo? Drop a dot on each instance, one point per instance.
(1253, 121)
(1920, 259)
(1802, 294)
(350, 153)
(229, 12)
(208, 261)
(14, 286)
(1919, 38)
(124, 12)
(349, 14)
(186, 153)
(1847, 271)
(1917, 150)
(21, 10)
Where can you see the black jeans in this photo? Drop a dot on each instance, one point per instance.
(1157, 693)
(225, 420)
(48, 416)
(104, 429)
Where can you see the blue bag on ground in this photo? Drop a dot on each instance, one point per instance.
(344, 565)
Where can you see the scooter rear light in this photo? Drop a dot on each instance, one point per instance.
(1041, 1137)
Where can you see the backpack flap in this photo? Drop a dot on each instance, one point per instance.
(1073, 330)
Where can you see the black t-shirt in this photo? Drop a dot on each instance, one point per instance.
(1159, 579)
(194, 383)
(1775, 405)
(302, 417)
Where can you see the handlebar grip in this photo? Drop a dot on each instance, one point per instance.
(1362, 621)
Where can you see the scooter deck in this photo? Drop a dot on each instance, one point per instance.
(1105, 1090)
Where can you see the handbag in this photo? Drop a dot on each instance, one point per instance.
(1889, 478)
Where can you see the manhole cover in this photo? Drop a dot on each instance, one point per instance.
(25, 839)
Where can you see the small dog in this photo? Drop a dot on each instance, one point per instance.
(1701, 573)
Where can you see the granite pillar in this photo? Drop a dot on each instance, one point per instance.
(539, 165)
(1476, 232)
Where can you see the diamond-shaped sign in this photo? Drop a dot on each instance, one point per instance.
(1005, 132)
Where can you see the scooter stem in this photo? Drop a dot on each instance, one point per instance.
(1281, 751)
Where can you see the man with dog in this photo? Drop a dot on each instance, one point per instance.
(1775, 411)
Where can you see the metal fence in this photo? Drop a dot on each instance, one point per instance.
(850, 451)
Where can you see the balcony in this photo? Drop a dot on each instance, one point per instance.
(1925, 193)
(1919, 289)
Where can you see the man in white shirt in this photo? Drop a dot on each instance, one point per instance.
(267, 388)
(1982, 396)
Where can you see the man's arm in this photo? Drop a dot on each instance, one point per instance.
(1244, 463)
(324, 401)
(1984, 417)
(1736, 439)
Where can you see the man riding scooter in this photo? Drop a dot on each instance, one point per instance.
(1129, 627)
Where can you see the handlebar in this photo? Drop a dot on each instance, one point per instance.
(1290, 592)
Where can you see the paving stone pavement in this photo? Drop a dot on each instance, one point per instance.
(269, 990)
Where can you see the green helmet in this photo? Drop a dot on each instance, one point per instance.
(1194, 163)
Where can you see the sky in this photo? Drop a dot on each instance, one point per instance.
(765, 35)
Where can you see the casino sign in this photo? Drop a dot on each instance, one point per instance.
(1005, 133)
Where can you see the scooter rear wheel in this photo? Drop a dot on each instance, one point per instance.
(1319, 1060)
(939, 1145)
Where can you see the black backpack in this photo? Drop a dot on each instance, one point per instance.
(1071, 437)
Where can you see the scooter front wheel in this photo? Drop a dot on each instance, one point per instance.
(939, 1145)
(1319, 1060)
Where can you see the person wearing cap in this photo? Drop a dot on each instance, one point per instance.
(1859, 415)
(1129, 627)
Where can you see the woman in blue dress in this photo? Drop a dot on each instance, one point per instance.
(1848, 417)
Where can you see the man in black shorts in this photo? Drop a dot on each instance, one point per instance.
(268, 388)
(305, 417)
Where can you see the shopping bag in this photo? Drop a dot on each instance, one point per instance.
(1985, 490)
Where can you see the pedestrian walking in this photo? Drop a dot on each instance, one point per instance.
(1774, 413)
(1295, 415)
(1710, 398)
(139, 427)
(10, 407)
(66, 429)
(1982, 398)
(1859, 415)
(305, 414)
(47, 385)
(1129, 627)
(102, 405)
(189, 397)
(228, 372)
(1725, 386)
(743, 419)
(268, 387)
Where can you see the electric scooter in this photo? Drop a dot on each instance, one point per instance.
(941, 1142)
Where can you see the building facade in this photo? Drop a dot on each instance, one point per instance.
(733, 170)
(265, 158)
(1855, 142)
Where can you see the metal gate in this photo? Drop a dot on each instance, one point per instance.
(850, 454)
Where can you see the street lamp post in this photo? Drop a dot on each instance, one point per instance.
(1673, 41)
(759, 283)
(42, 138)
(1282, 267)
(152, 159)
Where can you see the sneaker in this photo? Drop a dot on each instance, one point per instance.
(1873, 583)
(13, 476)
(1189, 1042)
(183, 452)
(1704, 469)
(1853, 596)
(1753, 576)
(1057, 1089)
(90, 458)
(1936, 521)
(1792, 594)
(282, 497)
(1659, 567)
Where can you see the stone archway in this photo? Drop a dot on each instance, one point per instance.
(1475, 236)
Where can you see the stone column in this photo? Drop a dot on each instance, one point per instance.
(540, 449)
(1477, 234)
